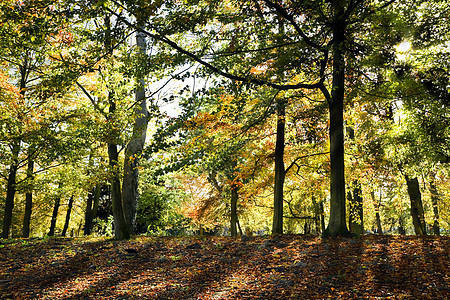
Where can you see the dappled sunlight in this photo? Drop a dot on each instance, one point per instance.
(270, 267)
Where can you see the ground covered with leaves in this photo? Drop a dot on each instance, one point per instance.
(272, 267)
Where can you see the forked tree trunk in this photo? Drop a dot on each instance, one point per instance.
(417, 212)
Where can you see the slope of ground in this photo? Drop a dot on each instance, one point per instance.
(272, 267)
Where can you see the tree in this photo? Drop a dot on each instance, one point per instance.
(25, 55)
(134, 148)
(322, 31)
(69, 211)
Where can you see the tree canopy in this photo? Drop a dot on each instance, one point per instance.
(326, 117)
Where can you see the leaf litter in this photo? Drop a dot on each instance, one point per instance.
(270, 267)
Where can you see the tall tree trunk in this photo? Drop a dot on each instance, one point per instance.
(234, 219)
(130, 193)
(280, 172)
(355, 216)
(377, 206)
(337, 224)
(120, 228)
(56, 205)
(69, 211)
(416, 205)
(435, 202)
(28, 199)
(11, 190)
(14, 166)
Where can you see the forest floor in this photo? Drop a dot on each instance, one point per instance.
(270, 267)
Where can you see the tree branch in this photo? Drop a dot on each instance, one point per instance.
(246, 79)
(304, 156)
(282, 12)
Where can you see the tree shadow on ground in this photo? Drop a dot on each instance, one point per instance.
(279, 267)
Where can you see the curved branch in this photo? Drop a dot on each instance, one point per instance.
(304, 156)
(216, 70)
(282, 12)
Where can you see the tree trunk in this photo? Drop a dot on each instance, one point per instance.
(280, 172)
(28, 199)
(416, 205)
(120, 228)
(350, 203)
(356, 223)
(88, 214)
(377, 206)
(14, 166)
(317, 215)
(322, 216)
(130, 193)
(56, 205)
(401, 226)
(239, 226)
(337, 224)
(11, 190)
(435, 202)
(98, 189)
(69, 211)
(234, 200)
(91, 209)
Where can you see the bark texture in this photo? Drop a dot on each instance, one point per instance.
(337, 224)
(130, 193)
